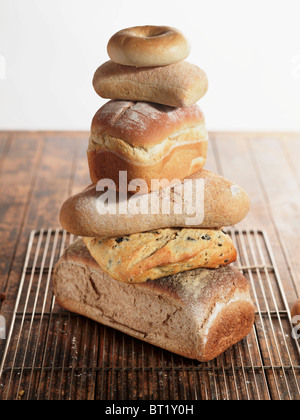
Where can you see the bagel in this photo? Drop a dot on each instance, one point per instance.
(148, 46)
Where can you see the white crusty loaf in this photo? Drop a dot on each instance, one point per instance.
(198, 314)
(148, 141)
(225, 204)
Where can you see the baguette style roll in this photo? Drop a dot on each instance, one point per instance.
(147, 141)
(177, 85)
(198, 314)
(222, 204)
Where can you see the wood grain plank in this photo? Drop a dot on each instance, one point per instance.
(52, 185)
(19, 168)
(50, 189)
(81, 176)
(291, 150)
(4, 137)
(283, 198)
(212, 163)
(5, 140)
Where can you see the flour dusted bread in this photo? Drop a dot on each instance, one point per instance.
(177, 85)
(225, 204)
(151, 255)
(198, 314)
(147, 141)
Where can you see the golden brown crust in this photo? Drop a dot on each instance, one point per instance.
(148, 46)
(179, 163)
(230, 326)
(143, 124)
(148, 256)
(146, 140)
(177, 85)
(197, 314)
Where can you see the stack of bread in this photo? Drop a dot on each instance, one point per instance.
(153, 259)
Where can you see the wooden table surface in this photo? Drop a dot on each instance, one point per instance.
(39, 170)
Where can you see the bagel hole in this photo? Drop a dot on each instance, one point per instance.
(155, 34)
(150, 32)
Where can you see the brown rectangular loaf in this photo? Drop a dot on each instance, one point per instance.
(198, 314)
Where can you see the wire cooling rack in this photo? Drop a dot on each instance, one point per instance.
(51, 354)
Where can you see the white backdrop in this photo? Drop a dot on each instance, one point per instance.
(49, 50)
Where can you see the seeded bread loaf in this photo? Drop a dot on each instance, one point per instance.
(197, 314)
(148, 256)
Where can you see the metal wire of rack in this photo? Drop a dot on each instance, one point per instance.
(51, 354)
